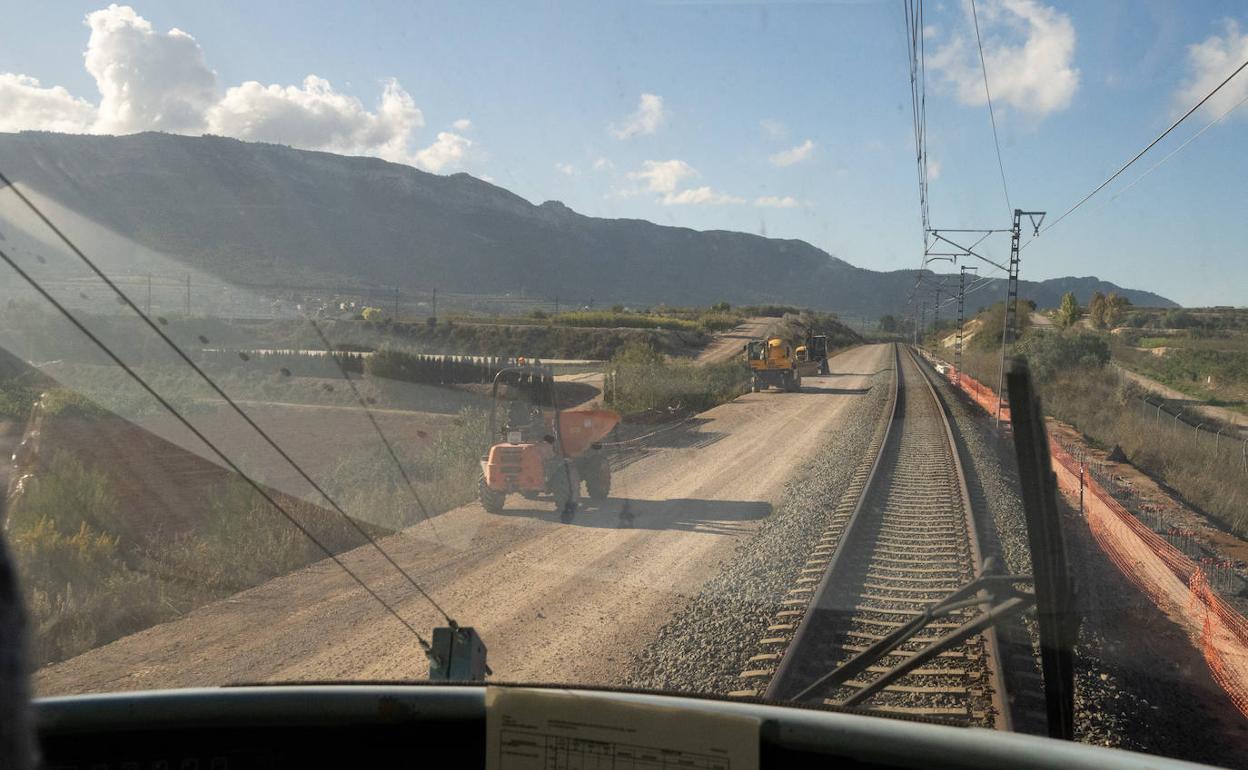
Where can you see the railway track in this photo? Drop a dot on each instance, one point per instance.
(902, 539)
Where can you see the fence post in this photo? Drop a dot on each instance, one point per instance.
(1081, 488)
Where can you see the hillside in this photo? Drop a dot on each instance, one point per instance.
(258, 213)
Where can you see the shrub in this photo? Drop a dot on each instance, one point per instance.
(65, 496)
(367, 484)
(1049, 353)
(16, 400)
(671, 387)
(78, 591)
(76, 583)
(242, 541)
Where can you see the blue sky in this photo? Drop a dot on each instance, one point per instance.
(551, 91)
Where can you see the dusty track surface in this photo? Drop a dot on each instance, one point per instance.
(554, 602)
(729, 344)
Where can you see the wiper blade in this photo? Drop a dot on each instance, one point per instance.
(977, 592)
(1055, 591)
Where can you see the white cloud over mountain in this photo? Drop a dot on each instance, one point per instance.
(25, 104)
(665, 176)
(160, 81)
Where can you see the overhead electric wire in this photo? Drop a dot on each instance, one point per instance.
(1147, 147)
(991, 114)
(224, 396)
(34, 284)
(915, 52)
(1176, 151)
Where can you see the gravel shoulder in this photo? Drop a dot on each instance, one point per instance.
(554, 602)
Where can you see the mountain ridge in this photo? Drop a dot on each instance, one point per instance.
(259, 213)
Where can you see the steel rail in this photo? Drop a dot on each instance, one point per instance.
(803, 653)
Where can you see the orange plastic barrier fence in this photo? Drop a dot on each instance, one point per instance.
(980, 393)
(1173, 582)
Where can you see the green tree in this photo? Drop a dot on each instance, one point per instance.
(888, 324)
(1068, 313)
(1115, 309)
(1097, 310)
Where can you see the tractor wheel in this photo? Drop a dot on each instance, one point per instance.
(565, 486)
(598, 478)
(491, 499)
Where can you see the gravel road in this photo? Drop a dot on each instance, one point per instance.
(554, 602)
(729, 344)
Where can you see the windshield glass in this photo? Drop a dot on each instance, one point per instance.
(670, 346)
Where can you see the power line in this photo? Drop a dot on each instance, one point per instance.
(991, 115)
(915, 52)
(224, 396)
(1176, 151)
(1148, 147)
(220, 454)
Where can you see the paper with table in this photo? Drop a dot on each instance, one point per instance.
(532, 729)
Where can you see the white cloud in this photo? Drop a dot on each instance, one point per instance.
(24, 104)
(776, 202)
(1209, 62)
(646, 120)
(794, 154)
(317, 117)
(603, 164)
(697, 196)
(449, 149)
(567, 169)
(774, 128)
(933, 170)
(148, 81)
(663, 176)
(1029, 49)
(154, 81)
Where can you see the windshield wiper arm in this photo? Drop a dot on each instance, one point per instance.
(1012, 602)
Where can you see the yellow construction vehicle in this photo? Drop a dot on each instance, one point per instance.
(773, 363)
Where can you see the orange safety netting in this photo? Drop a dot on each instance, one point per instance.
(1173, 582)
